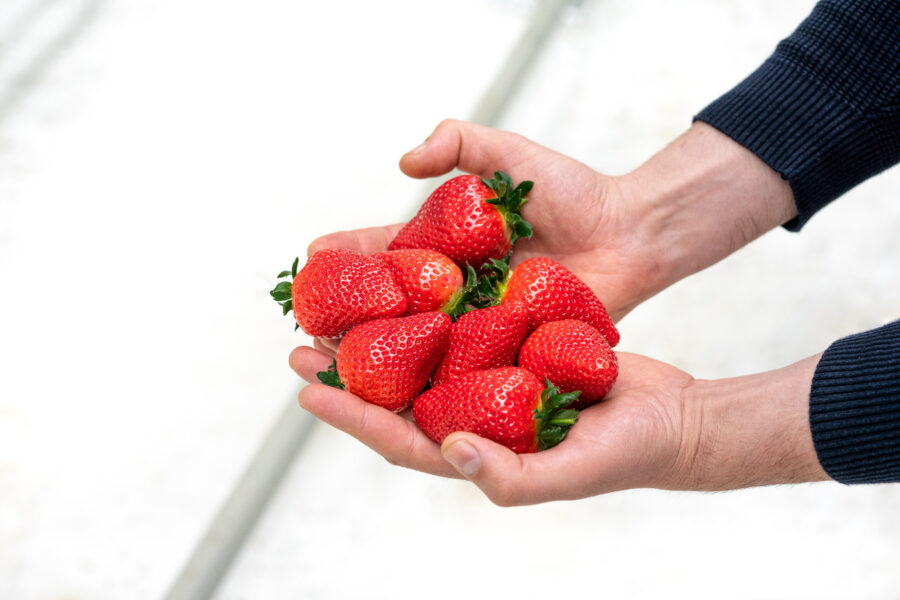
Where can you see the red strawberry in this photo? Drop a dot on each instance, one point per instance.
(486, 338)
(574, 356)
(430, 280)
(337, 289)
(507, 405)
(388, 361)
(550, 291)
(469, 219)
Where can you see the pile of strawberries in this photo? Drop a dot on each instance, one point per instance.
(510, 355)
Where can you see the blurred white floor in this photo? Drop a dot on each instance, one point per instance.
(177, 155)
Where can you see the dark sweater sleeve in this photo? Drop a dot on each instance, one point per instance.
(854, 407)
(824, 110)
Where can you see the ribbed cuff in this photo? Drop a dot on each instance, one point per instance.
(812, 138)
(854, 407)
(824, 110)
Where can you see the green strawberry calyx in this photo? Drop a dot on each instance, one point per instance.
(552, 417)
(466, 298)
(509, 202)
(330, 377)
(491, 284)
(282, 293)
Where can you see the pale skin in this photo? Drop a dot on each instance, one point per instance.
(628, 237)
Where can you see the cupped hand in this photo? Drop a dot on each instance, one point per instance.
(641, 435)
(580, 217)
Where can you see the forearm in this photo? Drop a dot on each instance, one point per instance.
(701, 198)
(754, 430)
(817, 118)
(833, 415)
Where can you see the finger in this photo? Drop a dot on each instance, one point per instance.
(507, 478)
(365, 241)
(327, 346)
(471, 148)
(306, 362)
(398, 440)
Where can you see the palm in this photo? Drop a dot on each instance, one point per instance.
(632, 438)
(579, 221)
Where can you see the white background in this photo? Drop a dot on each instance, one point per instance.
(160, 169)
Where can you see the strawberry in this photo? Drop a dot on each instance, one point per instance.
(550, 292)
(430, 280)
(388, 361)
(469, 219)
(486, 338)
(337, 289)
(507, 405)
(573, 355)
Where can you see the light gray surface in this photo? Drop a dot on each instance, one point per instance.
(164, 170)
(183, 152)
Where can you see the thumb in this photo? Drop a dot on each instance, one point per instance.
(469, 147)
(506, 478)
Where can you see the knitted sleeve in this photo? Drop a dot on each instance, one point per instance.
(854, 407)
(824, 110)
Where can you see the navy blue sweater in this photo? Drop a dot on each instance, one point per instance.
(824, 112)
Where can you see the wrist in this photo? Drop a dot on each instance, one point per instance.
(753, 430)
(700, 199)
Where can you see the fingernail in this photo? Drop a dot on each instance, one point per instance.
(464, 458)
(417, 149)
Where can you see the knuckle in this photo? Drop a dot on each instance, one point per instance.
(405, 454)
(363, 426)
(409, 450)
(512, 484)
(502, 499)
(504, 494)
(448, 123)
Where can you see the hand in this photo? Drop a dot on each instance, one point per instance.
(658, 427)
(579, 216)
(695, 202)
(631, 439)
